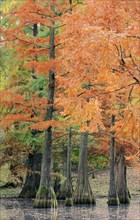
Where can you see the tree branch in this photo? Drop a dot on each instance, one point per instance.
(133, 36)
(116, 90)
(32, 43)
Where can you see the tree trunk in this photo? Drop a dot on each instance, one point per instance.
(83, 192)
(121, 182)
(66, 187)
(46, 197)
(112, 195)
(64, 155)
(61, 195)
(68, 193)
(56, 177)
(33, 176)
(34, 159)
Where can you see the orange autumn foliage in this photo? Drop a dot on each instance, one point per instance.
(97, 63)
(100, 61)
(34, 52)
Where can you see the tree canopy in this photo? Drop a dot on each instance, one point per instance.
(89, 51)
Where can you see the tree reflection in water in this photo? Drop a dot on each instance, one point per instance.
(13, 209)
(116, 213)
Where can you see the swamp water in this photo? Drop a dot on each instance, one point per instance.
(17, 209)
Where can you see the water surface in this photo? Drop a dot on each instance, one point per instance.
(17, 209)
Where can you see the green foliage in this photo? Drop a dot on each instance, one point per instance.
(43, 32)
(69, 202)
(39, 85)
(4, 174)
(10, 192)
(7, 5)
(75, 156)
(11, 70)
(14, 150)
(25, 137)
(99, 162)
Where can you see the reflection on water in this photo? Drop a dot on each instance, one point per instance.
(15, 209)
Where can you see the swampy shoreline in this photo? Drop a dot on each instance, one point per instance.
(99, 183)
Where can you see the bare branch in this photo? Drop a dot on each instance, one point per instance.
(60, 26)
(116, 90)
(129, 97)
(133, 36)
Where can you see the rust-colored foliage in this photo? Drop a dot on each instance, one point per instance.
(33, 54)
(100, 67)
(97, 65)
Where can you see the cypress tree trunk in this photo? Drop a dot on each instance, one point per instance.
(46, 197)
(66, 188)
(83, 192)
(64, 170)
(112, 195)
(69, 200)
(121, 182)
(33, 176)
(62, 192)
(34, 159)
(56, 175)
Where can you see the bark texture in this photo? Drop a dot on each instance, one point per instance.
(34, 159)
(121, 181)
(69, 199)
(66, 187)
(83, 192)
(56, 177)
(46, 197)
(112, 195)
(33, 176)
(61, 195)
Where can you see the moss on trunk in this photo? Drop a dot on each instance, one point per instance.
(121, 181)
(66, 188)
(83, 192)
(69, 202)
(112, 195)
(112, 201)
(85, 200)
(45, 198)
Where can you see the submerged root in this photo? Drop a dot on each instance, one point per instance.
(45, 198)
(85, 200)
(83, 194)
(69, 202)
(45, 203)
(68, 195)
(113, 202)
(124, 200)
